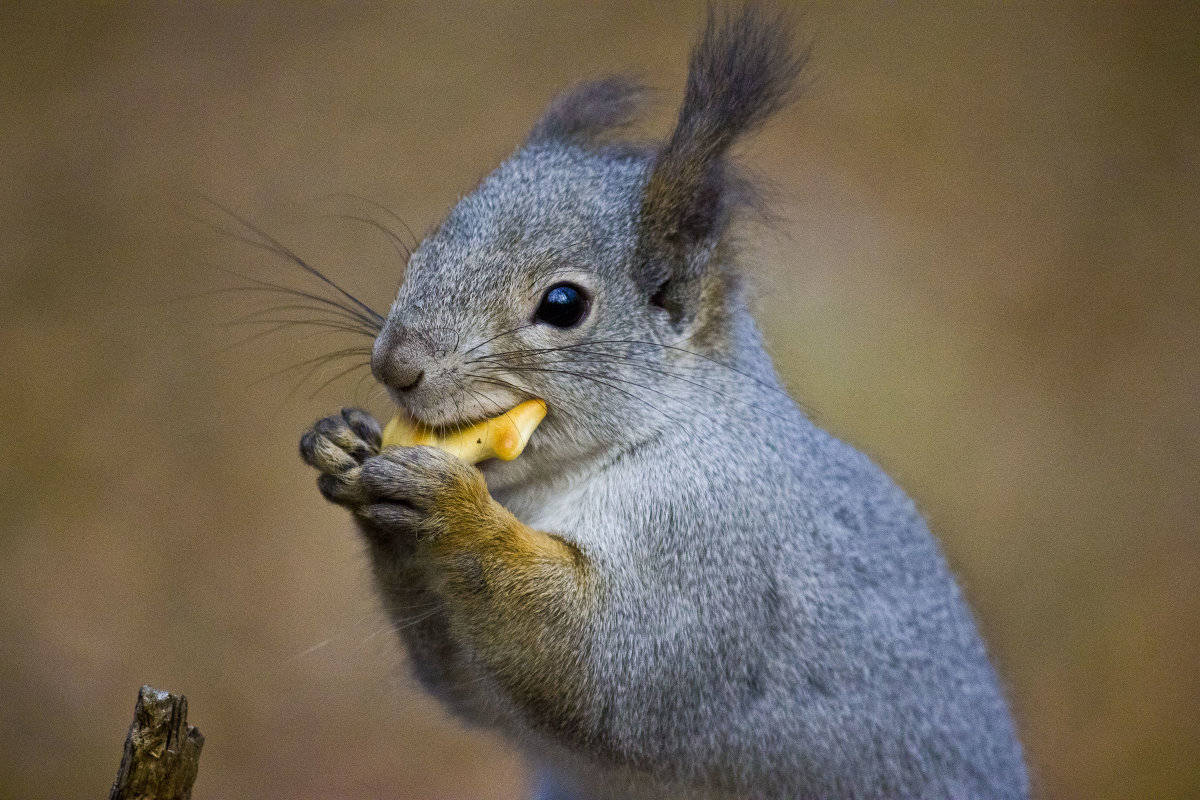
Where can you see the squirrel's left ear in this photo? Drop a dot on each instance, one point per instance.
(586, 114)
(743, 70)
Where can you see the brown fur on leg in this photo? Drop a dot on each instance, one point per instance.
(523, 599)
(518, 599)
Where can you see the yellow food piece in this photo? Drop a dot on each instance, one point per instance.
(503, 436)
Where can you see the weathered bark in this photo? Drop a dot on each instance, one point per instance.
(162, 752)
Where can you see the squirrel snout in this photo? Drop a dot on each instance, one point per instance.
(395, 365)
(396, 373)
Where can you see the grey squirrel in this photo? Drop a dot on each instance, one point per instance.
(682, 587)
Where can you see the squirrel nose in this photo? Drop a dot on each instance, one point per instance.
(396, 372)
(394, 365)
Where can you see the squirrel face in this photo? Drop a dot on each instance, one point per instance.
(526, 290)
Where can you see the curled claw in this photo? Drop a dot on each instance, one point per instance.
(342, 488)
(364, 425)
(340, 442)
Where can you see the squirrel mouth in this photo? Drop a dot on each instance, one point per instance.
(503, 436)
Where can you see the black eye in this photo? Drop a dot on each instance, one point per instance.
(564, 306)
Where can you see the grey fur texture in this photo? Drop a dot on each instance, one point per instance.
(772, 618)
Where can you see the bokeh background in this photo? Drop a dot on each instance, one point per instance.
(983, 271)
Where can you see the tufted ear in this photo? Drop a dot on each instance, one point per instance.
(743, 69)
(590, 111)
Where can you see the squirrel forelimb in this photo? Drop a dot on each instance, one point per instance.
(517, 597)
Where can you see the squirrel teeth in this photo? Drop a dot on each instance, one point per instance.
(503, 436)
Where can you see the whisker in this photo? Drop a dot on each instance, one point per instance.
(609, 385)
(392, 609)
(308, 651)
(282, 323)
(521, 390)
(265, 241)
(654, 368)
(392, 627)
(497, 336)
(421, 618)
(319, 361)
(341, 374)
(595, 351)
(284, 326)
(591, 349)
(259, 285)
(313, 370)
(498, 382)
(397, 244)
(377, 205)
(482, 398)
(308, 314)
(645, 343)
(358, 388)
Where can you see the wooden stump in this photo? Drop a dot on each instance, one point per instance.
(162, 752)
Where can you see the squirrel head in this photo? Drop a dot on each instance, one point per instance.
(582, 266)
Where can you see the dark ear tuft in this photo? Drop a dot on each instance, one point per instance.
(743, 70)
(586, 113)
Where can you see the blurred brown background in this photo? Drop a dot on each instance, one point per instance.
(984, 273)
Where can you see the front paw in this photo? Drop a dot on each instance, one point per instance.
(421, 490)
(337, 446)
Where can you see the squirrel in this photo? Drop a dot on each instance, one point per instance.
(682, 587)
